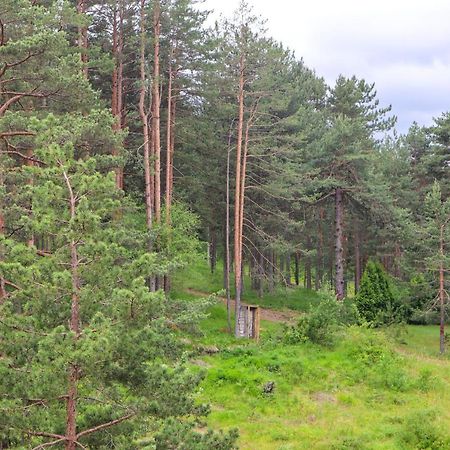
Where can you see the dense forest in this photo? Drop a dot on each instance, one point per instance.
(137, 139)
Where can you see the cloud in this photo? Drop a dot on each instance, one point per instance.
(401, 45)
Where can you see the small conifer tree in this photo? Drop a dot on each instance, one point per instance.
(375, 301)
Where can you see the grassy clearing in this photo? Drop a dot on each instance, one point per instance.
(359, 395)
(371, 391)
(198, 277)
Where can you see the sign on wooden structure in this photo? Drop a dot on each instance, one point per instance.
(249, 318)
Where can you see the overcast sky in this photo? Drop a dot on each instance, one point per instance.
(401, 45)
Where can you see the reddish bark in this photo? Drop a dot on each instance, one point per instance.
(143, 112)
(237, 199)
(83, 39)
(117, 80)
(156, 119)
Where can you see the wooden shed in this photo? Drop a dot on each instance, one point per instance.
(249, 322)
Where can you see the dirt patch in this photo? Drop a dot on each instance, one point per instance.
(323, 397)
(271, 315)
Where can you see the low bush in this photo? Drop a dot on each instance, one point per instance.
(419, 431)
(322, 324)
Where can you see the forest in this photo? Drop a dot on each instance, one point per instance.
(160, 175)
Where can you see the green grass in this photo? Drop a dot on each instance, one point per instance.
(423, 340)
(373, 390)
(359, 395)
(199, 278)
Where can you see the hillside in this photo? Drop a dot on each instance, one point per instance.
(372, 390)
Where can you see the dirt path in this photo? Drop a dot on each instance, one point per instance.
(271, 315)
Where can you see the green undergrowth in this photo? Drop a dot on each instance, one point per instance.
(367, 389)
(360, 394)
(197, 278)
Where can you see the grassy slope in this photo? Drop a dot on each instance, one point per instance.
(357, 395)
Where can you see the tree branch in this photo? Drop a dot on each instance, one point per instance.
(105, 425)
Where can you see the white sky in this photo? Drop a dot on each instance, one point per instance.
(401, 45)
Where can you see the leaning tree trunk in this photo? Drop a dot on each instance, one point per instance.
(339, 244)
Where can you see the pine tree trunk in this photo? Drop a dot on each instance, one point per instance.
(213, 252)
(357, 243)
(308, 271)
(117, 80)
(156, 119)
(227, 238)
(143, 112)
(261, 275)
(339, 244)
(2, 233)
(319, 257)
(83, 39)
(297, 268)
(270, 271)
(145, 126)
(237, 202)
(288, 269)
(169, 156)
(74, 325)
(30, 163)
(441, 293)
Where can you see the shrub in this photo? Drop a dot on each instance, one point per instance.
(375, 301)
(420, 432)
(321, 325)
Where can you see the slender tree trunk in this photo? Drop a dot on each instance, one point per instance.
(398, 255)
(117, 80)
(288, 269)
(319, 257)
(297, 268)
(83, 39)
(261, 275)
(270, 271)
(357, 243)
(156, 109)
(74, 325)
(143, 112)
(308, 269)
(237, 200)
(441, 292)
(213, 251)
(227, 239)
(339, 244)
(169, 155)
(29, 162)
(2, 233)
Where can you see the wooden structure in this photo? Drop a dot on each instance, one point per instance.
(249, 322)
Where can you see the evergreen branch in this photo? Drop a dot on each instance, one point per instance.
(28, 158)
(106, 425)
(49, 444)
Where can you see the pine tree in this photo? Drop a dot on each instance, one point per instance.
(375, 301)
